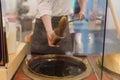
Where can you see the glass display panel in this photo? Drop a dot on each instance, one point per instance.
(80, 50)
(112, 40)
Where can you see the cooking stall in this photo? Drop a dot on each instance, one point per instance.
(90, 58)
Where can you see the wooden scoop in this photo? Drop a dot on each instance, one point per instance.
(59, 31)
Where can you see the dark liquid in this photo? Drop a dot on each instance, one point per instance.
(57, 67)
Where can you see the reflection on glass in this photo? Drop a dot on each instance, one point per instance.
(91, 29)
(89, 33)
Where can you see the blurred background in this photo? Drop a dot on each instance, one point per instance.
(89, 33)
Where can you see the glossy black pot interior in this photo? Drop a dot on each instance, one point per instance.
(56, 65)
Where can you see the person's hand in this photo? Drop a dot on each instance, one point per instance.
(80, 15)
(49, 30)
(51, 38)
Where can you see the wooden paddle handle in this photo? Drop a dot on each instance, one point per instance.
(115, 18)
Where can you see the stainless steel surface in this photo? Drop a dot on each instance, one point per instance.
(112, 63)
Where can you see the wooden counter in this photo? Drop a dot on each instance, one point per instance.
(15, 59)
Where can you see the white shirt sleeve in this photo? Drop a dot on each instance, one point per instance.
(54, 8)
(43, 8)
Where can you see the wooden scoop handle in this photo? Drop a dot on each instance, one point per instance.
(115, 18)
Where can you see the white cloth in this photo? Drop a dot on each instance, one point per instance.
(54, 8)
